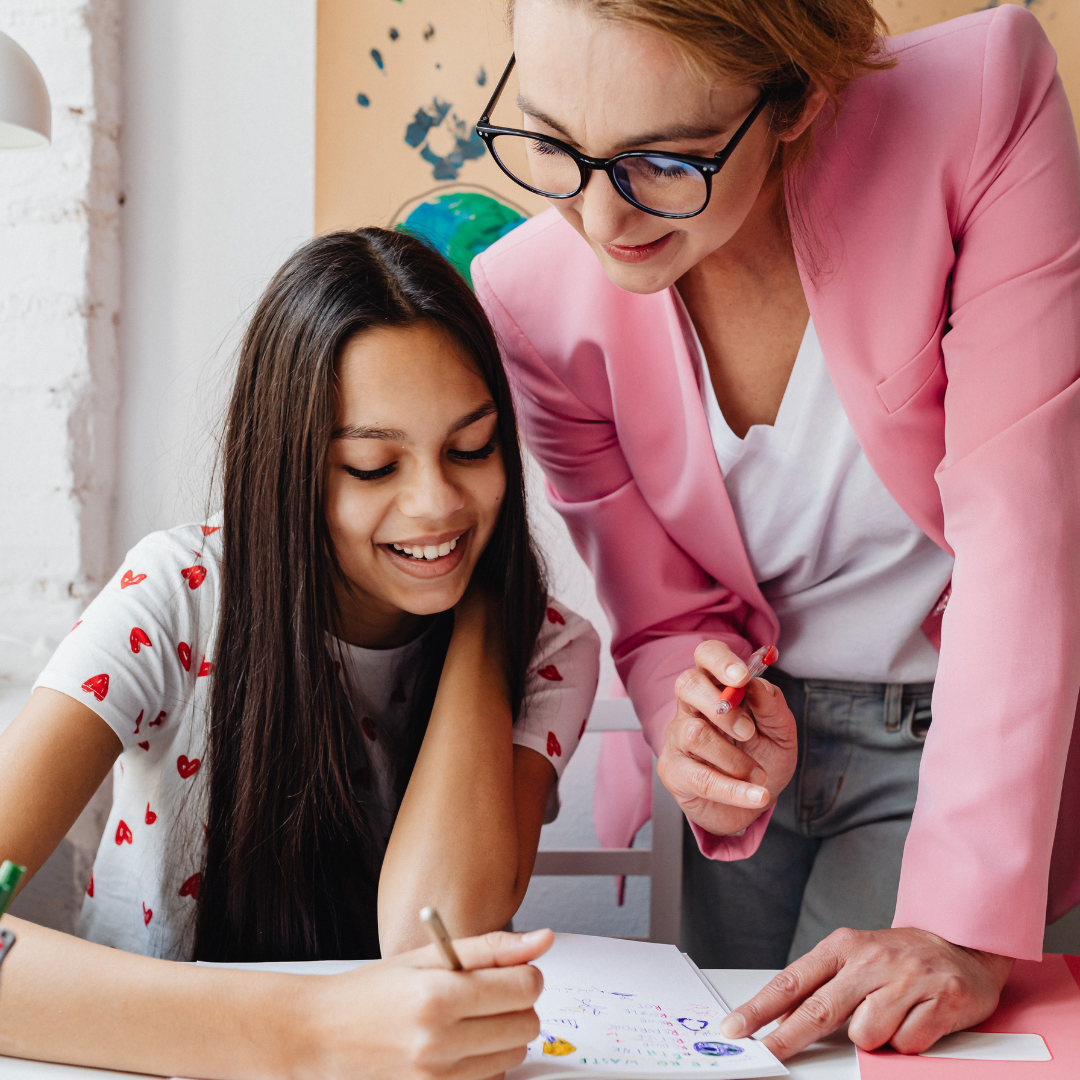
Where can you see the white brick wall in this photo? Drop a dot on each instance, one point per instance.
(59, 313)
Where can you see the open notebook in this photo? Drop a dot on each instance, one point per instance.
(613, 1008)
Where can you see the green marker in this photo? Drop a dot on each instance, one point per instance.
(10, 875)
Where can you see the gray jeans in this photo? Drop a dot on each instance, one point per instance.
(831, 854)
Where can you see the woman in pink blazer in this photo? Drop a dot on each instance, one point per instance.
(936, 251)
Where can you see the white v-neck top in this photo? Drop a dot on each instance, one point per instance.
(850, 576)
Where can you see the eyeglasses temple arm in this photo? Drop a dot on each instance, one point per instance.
(498, 90)
(744, 127)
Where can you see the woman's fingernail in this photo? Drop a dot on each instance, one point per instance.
(733, 1027)
(532, 936)
(743, 728)
(757, 794)
(734, 673)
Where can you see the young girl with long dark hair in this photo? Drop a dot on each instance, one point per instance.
(344, 697)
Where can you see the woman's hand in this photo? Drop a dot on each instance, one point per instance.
(725, 771)
(906, 987)
(409, 1018)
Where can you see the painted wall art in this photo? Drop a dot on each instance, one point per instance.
(401, 84)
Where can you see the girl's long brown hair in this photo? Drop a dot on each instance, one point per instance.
(290, 871)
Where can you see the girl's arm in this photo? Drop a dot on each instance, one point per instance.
(63, 999)
(56, 753)
(466, 835)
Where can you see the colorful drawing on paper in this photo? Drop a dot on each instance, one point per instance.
(717, 1049)
(555, 1046)
(692, 1023)
(459, 222)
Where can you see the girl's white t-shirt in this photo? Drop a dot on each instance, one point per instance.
(849, 575)
(142, 656)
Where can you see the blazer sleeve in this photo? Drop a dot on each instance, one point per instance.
(976, 864)
(660, 602)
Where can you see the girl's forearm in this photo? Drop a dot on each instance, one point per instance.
(457, 840)
(67, 1000)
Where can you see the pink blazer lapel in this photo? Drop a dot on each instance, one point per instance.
(665, 438)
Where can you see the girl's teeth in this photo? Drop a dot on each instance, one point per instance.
(432, 551)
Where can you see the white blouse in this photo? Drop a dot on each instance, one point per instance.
(142, 656)
(850, 576)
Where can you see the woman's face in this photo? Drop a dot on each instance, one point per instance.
(604, 87)
(415, 477)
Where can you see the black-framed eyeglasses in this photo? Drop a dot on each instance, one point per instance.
(667, 185)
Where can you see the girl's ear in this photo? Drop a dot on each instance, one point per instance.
(814, 103)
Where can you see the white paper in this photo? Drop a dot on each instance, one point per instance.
(613, 1008)
(990, 1046)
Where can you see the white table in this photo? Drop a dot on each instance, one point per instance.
(832, 1059)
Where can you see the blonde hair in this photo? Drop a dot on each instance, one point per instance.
(787, 48)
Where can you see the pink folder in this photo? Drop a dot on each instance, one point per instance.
(1043, 998)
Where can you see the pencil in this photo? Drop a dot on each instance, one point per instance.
(430, 918)
(9, 882)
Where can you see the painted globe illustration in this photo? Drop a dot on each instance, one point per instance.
(459, 223)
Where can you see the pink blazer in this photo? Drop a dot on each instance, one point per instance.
(945, 290)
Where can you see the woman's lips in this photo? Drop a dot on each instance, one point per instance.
(425, 568)
(639, 253)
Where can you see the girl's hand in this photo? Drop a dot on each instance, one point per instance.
(410, 1018)
(725, 771)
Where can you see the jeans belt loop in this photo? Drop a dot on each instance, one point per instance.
(894, 699)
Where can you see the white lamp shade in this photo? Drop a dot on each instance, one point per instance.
(25, 111)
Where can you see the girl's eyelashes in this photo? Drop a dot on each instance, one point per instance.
(371, 474)
(458, 455)
(474, 455)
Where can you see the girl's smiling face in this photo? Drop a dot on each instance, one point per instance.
(415, 478)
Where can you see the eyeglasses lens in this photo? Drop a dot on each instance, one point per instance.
(537, 164)
(661, 183)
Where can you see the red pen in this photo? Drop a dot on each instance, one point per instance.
(758, 662)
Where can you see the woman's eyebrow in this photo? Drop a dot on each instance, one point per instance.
(470, 418)
(675, 133)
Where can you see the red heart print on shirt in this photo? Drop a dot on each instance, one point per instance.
(76, 626)
(123, 833)
(158, 720)
(208, 530)
(151, 817)
(147, 915)
(186, 768)
(131, 579)
(195, 575)
(138, 722)
(554, 616)
(551, 673)
(191, 886)
(98, 686)
(90, 887)
(582, 731)
(139, 639)
(367, 725)
(183, 650)
(143, 745)
(553, 747)
(205, 668)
